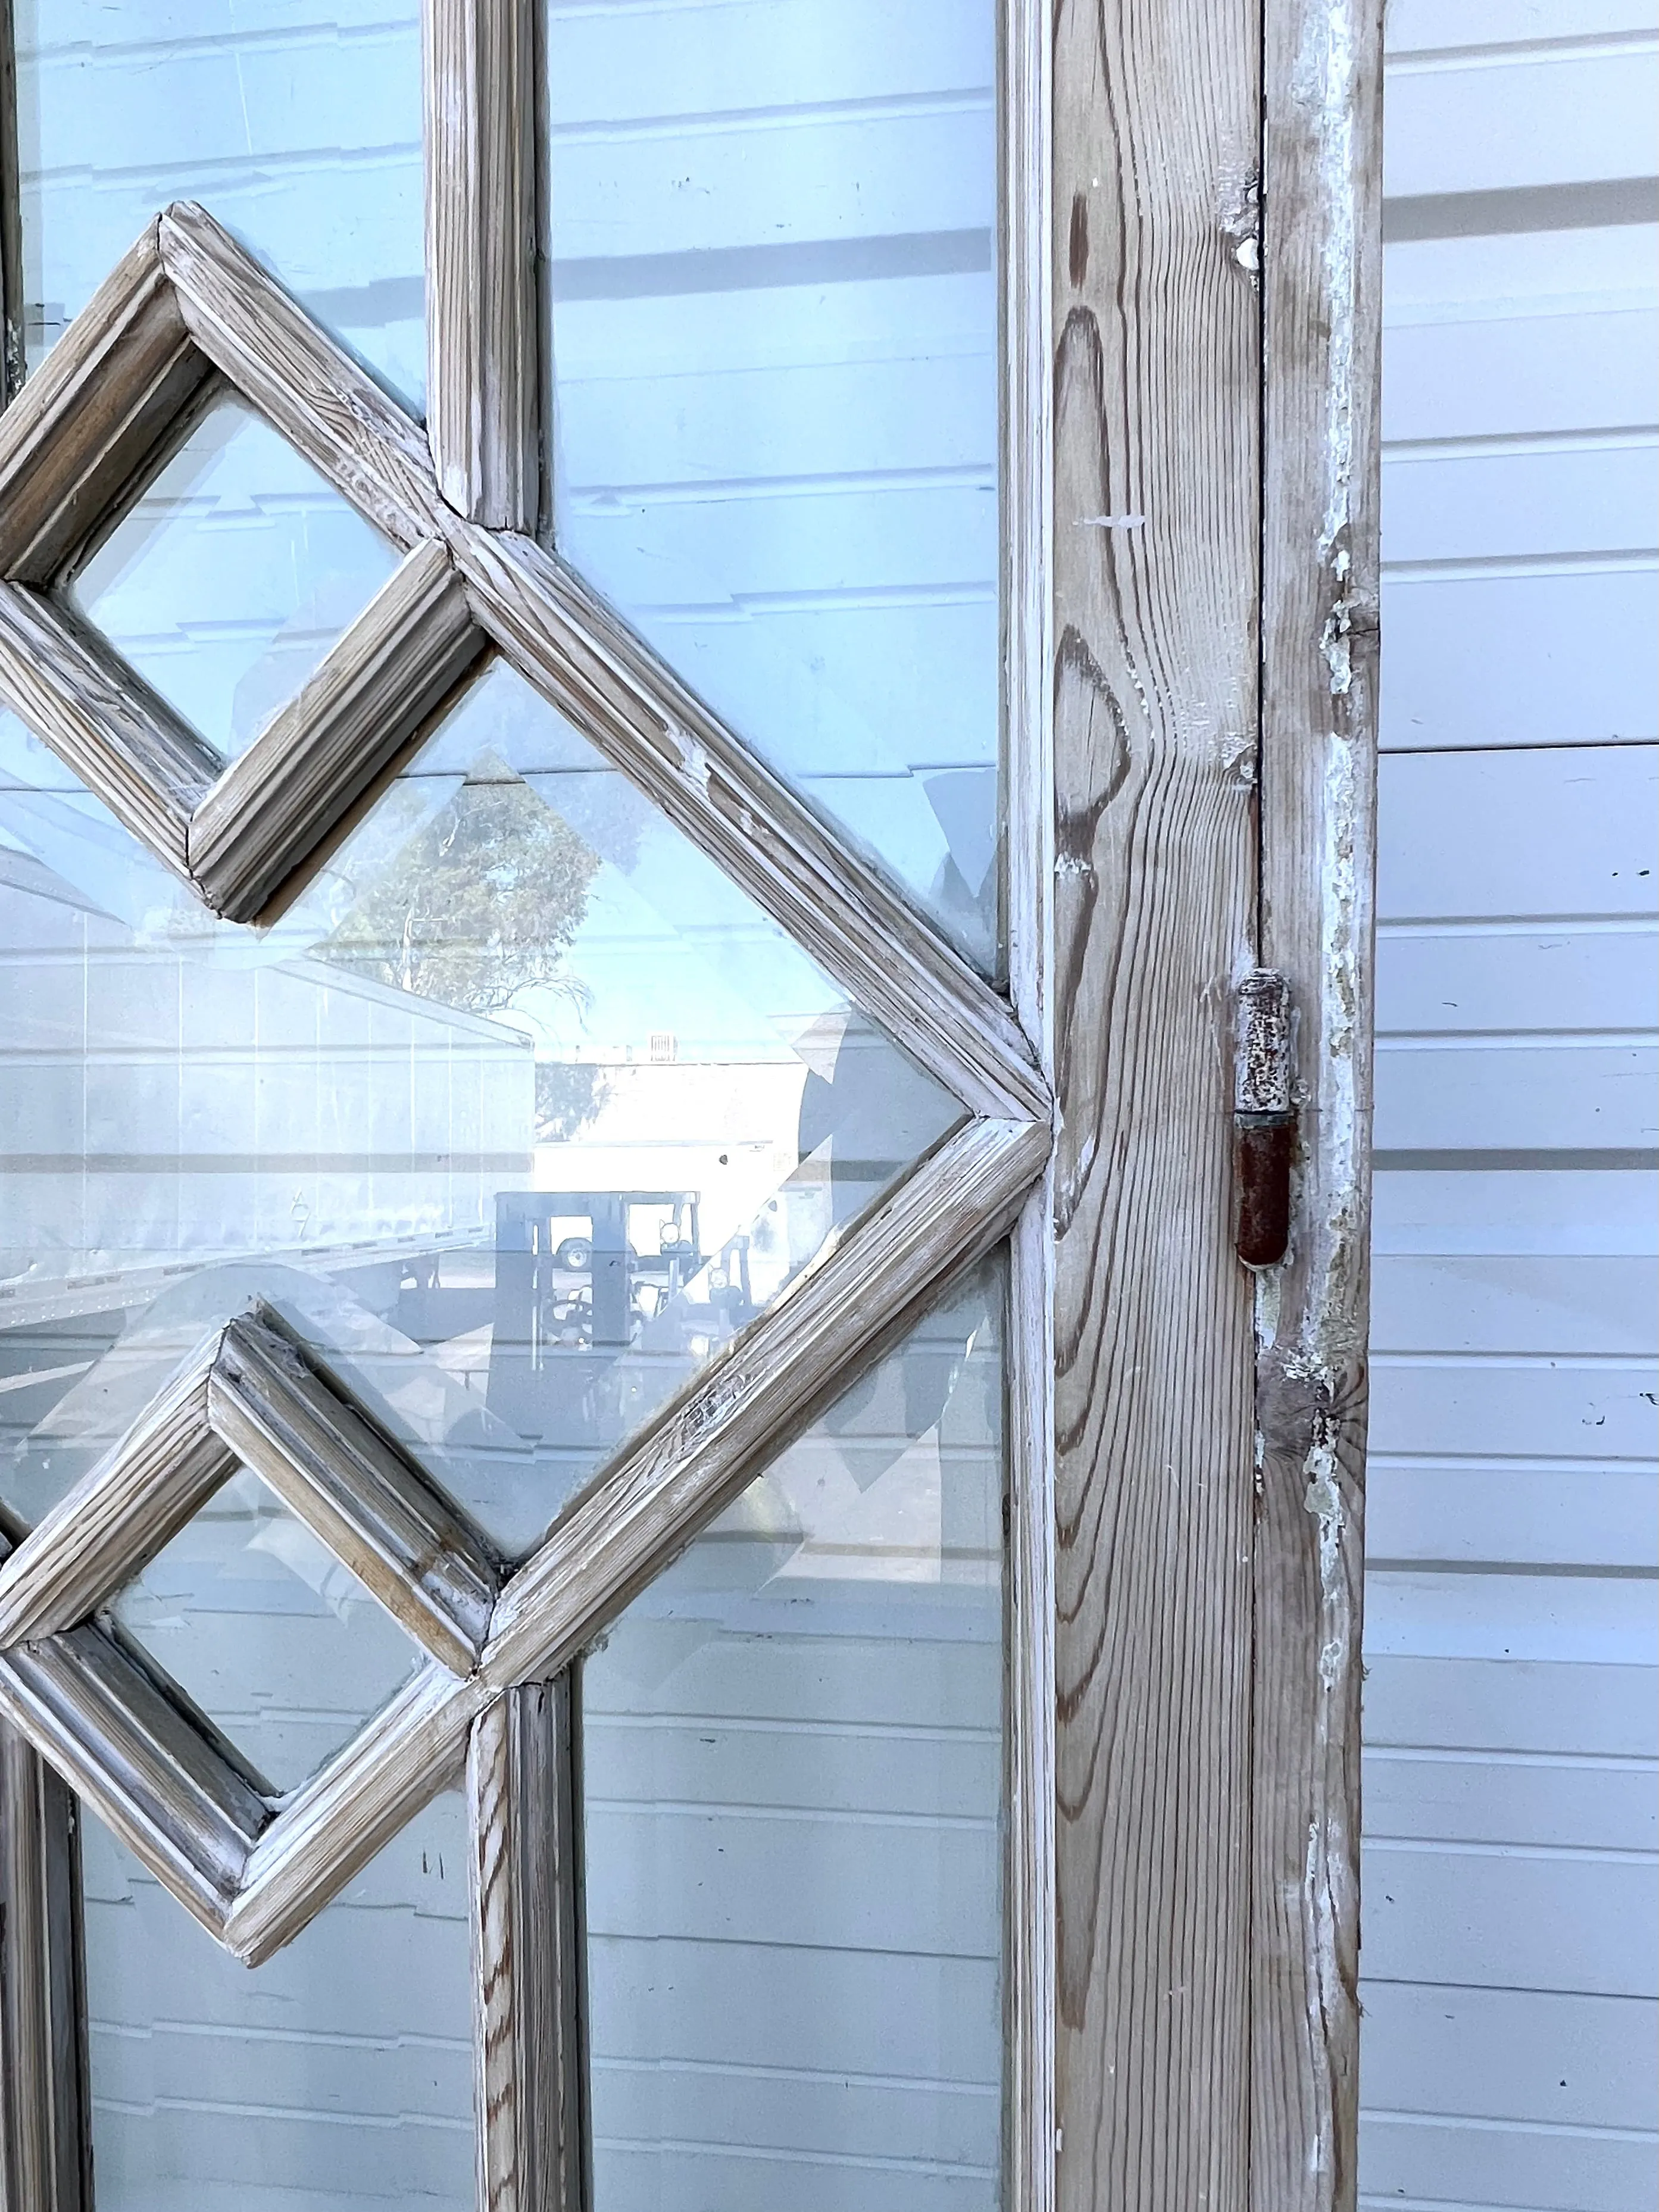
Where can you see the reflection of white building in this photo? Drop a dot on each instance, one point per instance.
(162, 1110)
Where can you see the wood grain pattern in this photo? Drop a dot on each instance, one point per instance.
(103, 720)
(151, 1771)
(482, 320)
(270, 811)
(1027, 429)
(522, 1802)
(1321, 277)
(83, 432)
(120, 1514)
(352, 1488)
(45, 2140)
(329, 409)
(581, 658)
(771, 1381)
(768, 1385)
(1156, 525)
(331, 1829)
(13, 357)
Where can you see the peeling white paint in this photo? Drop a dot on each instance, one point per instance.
(693, 758)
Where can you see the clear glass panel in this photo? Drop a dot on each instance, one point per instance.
(336, 2075)
(774, 317)
(300, 130)
(258, 1623)
(226, 583)
(519, 1112)
(792, 1751)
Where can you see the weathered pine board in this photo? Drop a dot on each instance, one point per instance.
(1322, 338)
(1156, 568)
(484, 380)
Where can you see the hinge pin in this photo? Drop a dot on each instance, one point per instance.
(1264, 1118)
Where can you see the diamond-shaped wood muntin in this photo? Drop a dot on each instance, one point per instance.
(185, 305)
(77, 449)
(247, 1395)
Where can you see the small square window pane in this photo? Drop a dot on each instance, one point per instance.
(277, 1643)
(230, 579)
(793, 1786)
(337, 2077)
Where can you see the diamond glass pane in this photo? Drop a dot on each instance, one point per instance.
(517, 1114)
(774, 313)
(793, 1754)
(230, 579)
(261, 1627)
(299, 129)
(337, 2077)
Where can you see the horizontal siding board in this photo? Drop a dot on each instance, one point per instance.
(1579, 497)
(1514, 376)
(1562, 658)
(1452, 1512)
(739, 182)
(1508, 1303)
(1513, 1095)
(798, 1878)
(897, 2015)
(1509, 979)
(760, 2181)
(1569, 831)
(1493, 122)
(1502, 1918)
(1511, 1705)
(1577, 1802)
(1477, 2161)
(773, 422)
(839, 1767)
(1586, 1620)
(1430, 26)
(1554, 1409)
(696, 56)
(903, 2123)
(1579, 2061)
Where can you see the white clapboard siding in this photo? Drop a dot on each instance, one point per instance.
(1552, 111)
(1509, 2045)
(300, 130)
(338, 2073)
(793, 1754)
(773, 324)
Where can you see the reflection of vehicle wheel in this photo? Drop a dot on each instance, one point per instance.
(576, 1252)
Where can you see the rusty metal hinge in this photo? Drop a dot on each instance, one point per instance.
(1264, 1118)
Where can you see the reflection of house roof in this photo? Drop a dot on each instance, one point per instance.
(336, 977)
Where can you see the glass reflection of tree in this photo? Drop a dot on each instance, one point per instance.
(477, 911)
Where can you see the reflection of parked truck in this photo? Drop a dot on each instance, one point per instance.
(583, 1275)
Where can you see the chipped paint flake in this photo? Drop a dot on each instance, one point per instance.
(693, 758)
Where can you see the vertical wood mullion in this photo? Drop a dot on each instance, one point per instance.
(483, 372)
(1155, 669)
(44, 2113)
(1322, 286)
(523, 1803)
(1026, 460)
(13, 338)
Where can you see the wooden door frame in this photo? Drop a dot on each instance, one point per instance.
(1216, 234)
(1189, 246)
